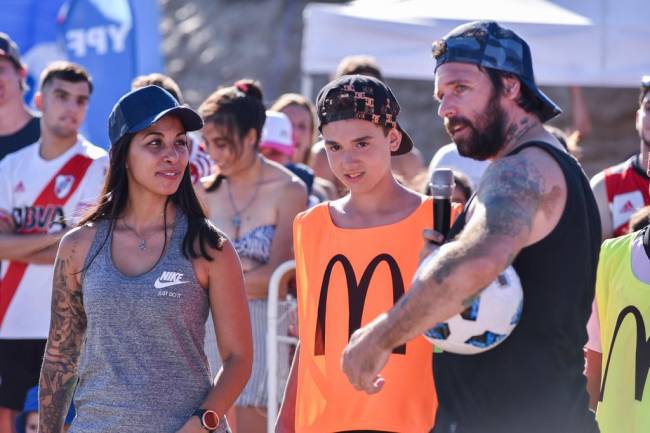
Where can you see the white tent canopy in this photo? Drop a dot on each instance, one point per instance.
(573, 42)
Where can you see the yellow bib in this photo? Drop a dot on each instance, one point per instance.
(624, 313)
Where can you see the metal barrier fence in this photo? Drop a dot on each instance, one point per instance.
(273, 339)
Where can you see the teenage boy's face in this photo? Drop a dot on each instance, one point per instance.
(358, 151)
(63, 104)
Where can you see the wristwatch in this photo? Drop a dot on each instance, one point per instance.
(209, 419)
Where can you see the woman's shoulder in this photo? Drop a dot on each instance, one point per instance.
(214, 249)
(279, 173)
(83, 234)
(207, 232)
(290, 183)
(76, 243)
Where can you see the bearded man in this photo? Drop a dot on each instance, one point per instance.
(533, 210)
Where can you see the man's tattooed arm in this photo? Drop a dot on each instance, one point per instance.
(511, 192)
(67, 328)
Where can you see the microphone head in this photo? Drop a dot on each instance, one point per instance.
(442, 183)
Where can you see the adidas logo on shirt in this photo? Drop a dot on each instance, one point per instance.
(628, 207)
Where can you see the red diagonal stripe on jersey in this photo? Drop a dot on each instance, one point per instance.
(77, 167)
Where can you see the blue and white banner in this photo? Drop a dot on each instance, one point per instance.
(115, 40)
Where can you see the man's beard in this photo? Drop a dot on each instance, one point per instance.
(486, 137)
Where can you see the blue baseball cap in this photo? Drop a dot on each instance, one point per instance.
(141, 108)
(487, 44)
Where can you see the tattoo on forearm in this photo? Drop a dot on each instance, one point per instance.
(58, 375)
(512, 191)
(411, 312)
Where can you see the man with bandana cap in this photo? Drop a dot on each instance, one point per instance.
(533, 210)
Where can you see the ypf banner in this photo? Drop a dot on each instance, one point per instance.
(99, 34)
(104, 37)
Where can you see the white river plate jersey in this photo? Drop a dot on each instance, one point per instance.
(23, 176)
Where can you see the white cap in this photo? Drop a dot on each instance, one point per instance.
(277, 133)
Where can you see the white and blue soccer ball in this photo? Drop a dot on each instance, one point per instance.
(487, 322)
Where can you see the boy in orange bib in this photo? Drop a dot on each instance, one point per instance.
(355, 257)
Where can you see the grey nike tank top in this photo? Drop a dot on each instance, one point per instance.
(142, 367)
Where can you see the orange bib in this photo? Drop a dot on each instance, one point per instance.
(346, 278)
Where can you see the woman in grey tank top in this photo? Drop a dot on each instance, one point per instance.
(133, 285)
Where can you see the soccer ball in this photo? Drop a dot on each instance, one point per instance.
(486, 322)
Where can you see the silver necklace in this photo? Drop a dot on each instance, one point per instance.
(142, 246)
(236, 218)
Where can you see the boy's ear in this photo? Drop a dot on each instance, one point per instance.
(38, 101)
(395, 139)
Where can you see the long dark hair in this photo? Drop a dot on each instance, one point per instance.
(114, 196)
(238, 108)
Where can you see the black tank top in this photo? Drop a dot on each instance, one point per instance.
(533, 381)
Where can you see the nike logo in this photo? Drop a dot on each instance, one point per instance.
(167, 279)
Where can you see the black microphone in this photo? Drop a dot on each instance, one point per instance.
(442, 186)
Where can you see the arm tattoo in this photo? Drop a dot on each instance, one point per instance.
(58, 375)
(511, 192)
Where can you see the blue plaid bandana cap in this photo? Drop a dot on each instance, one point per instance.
(487, 44)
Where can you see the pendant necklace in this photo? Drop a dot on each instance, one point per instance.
(236, 219)
(142, 246)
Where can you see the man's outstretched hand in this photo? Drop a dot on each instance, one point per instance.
(364, 358)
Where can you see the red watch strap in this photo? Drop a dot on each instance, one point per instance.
(209, 419)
